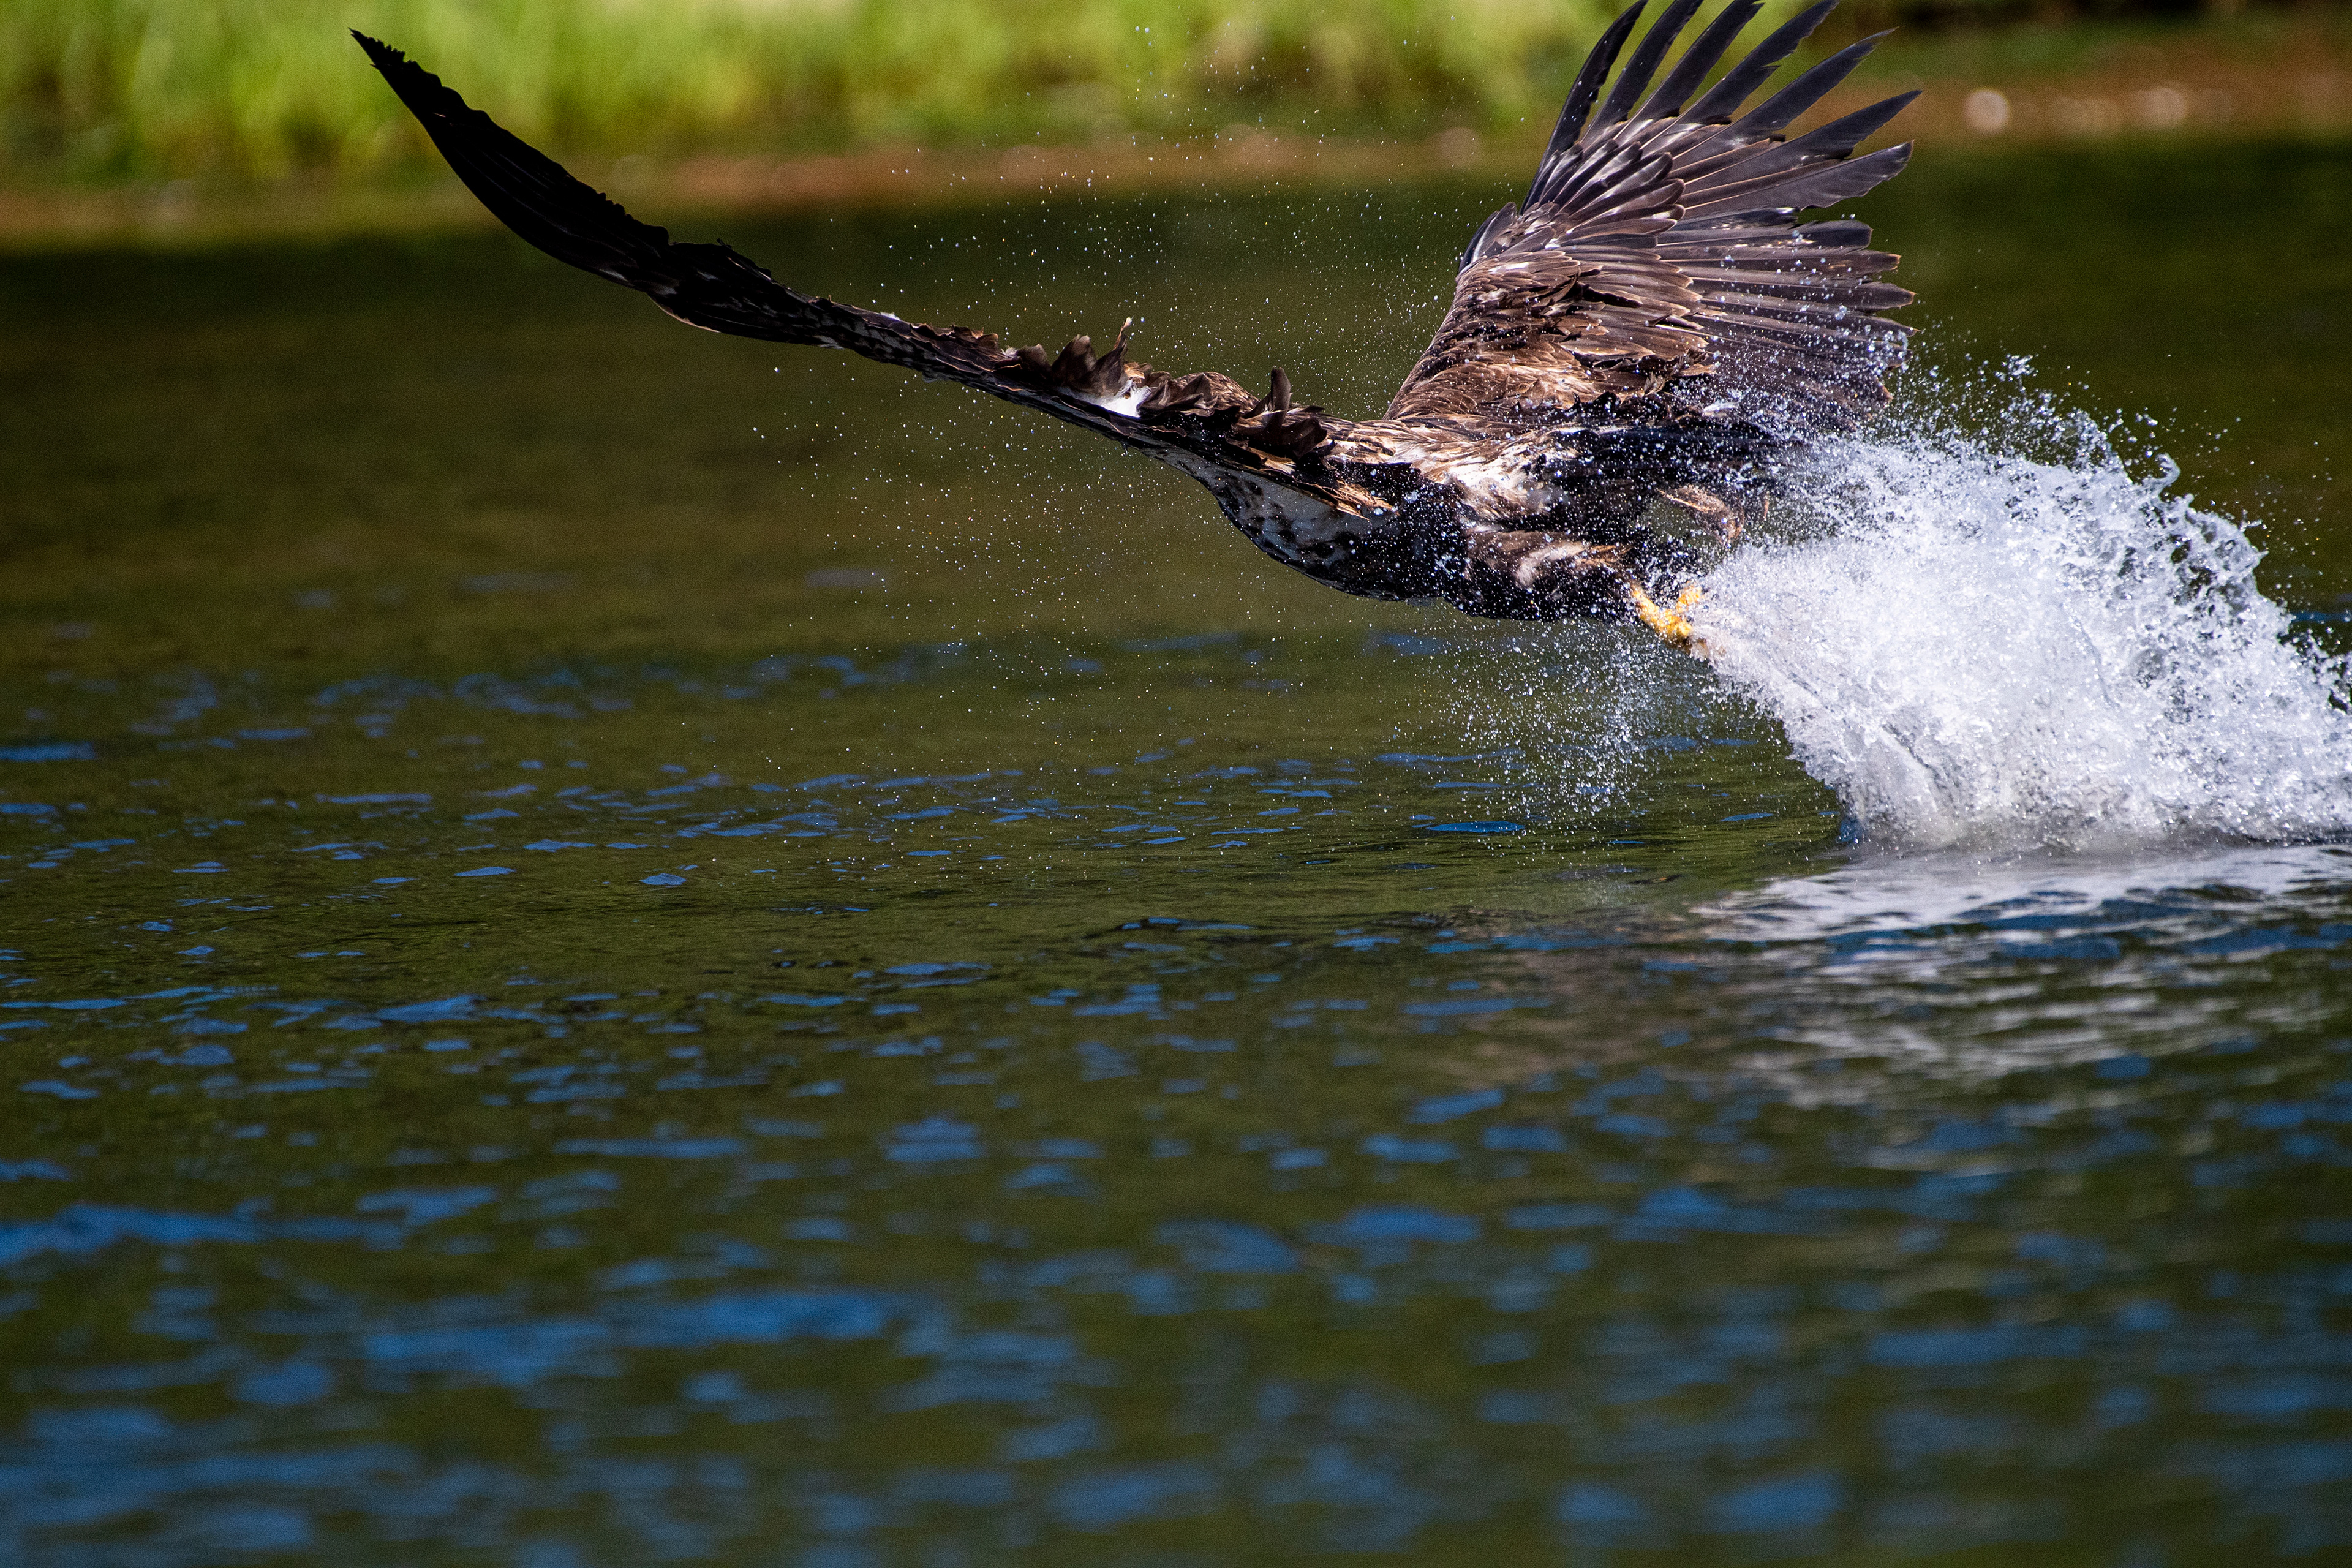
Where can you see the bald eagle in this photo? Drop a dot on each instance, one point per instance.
(1649, 323)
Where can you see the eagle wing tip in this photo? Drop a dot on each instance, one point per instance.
(380, 55)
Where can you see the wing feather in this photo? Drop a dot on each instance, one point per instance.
(716, 288)
(1581, 97)
(1635, 76)
(1742, 79)
(1658, 245)
(1701, 58)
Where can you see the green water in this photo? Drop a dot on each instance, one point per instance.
(625, 947)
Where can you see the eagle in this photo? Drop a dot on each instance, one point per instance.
(1649, 325)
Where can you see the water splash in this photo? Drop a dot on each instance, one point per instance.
(2002, 650)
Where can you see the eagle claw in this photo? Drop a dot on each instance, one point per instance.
(1673, 625)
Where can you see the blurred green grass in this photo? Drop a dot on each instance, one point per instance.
(110, 92)
(101, 90)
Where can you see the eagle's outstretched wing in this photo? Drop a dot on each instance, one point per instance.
(1209, 415)
(1655, 253)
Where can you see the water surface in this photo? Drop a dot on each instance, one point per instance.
(624, 949)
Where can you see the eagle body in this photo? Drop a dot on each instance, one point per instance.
(1649, 323)
(1532, 526)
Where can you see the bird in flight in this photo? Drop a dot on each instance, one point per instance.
(1650, 324)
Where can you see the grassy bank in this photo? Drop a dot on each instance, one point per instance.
(174, 121)
(101, 91)
(161, 89)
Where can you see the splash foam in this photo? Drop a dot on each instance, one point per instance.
(1998, 650)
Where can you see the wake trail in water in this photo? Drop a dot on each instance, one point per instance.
(1996, 650)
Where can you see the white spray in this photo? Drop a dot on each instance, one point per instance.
(1992, 650)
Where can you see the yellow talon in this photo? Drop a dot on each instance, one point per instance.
(1672, 624)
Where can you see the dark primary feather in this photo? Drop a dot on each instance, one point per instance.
(536, 197)
(1645, 63)
(1581, 97)
(1760, 62)
(1775, 114)
(1698, 59)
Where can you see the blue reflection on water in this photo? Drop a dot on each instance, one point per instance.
(1764, 1223)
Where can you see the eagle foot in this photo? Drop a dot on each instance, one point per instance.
(1673, 625)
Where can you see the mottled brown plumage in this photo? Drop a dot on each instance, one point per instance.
(1649, 323)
